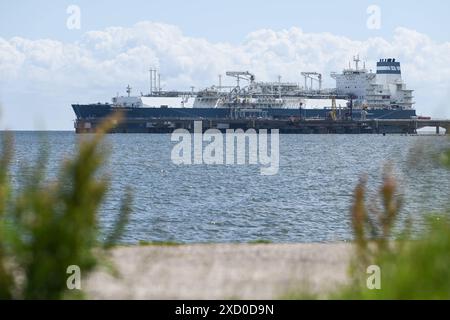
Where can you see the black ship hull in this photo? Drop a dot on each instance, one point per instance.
(164, 120)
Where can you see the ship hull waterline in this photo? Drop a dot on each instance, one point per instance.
(299, 121)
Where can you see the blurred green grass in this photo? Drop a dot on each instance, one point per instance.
(417, 269)
(411, 268)
(47, 226)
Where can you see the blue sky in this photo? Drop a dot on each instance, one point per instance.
(227, 20)
(38, 94)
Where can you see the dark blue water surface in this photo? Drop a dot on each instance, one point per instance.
(307, 201)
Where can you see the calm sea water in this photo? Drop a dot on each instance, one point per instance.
(307, 201)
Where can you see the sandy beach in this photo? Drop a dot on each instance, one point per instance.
(220, 271)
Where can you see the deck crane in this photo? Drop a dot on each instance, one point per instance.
(244, 75)
(313, 76)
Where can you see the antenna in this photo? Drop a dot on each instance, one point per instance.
(357, 60)
(159, 82)
(220, 81)
(154, 79)
(151, 84)
(128, 90)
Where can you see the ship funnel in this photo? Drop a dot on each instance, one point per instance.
(388, 66)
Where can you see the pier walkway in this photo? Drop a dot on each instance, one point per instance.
(312, 126)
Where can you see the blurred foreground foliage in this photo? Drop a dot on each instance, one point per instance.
(411, 268)
(47, 226)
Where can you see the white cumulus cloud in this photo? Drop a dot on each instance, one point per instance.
(105, 60)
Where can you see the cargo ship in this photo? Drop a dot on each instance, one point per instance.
(359, 98)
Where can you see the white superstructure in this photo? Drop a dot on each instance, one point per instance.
(383, 89)
(166, 100)
(389, 88)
